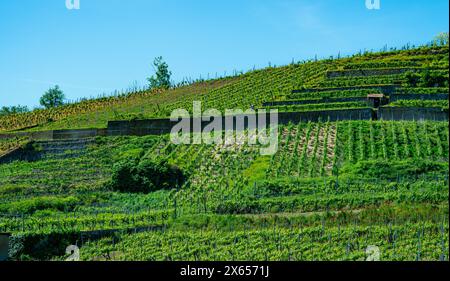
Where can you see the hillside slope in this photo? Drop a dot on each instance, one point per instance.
(253, 88)
(333, 188)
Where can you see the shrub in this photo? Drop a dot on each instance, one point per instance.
(145, 176)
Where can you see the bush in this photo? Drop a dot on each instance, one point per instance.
(145, 176)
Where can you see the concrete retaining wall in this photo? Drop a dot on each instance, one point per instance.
(331, 115)
(164, 126)
(74, 134)
(412, 113)
(139, 127)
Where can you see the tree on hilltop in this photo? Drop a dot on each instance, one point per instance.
(54, 97)
(161, 79)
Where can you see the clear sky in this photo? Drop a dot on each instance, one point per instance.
(108, 44)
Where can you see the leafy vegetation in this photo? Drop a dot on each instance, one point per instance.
(145, 176)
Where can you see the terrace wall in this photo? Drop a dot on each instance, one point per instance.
(164, 126)
(331, 115)
(74, 134)
(412, 113)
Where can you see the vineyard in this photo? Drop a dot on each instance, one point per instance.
(331, 191)
(320, 168)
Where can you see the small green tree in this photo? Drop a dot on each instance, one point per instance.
(54, 97)
(161, 79)
(441, 39)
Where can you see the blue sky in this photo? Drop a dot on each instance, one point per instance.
(108, 44)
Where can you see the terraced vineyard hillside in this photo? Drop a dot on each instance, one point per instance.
(333, 189)
(332, 78)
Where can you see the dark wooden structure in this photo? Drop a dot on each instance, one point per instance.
(377, 100)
